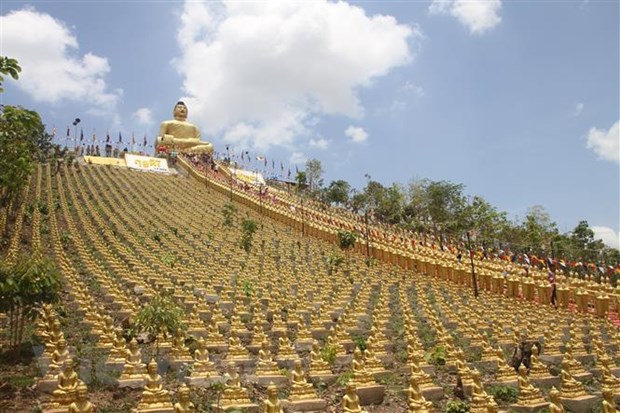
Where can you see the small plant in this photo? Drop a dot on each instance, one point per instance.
(456, 406)
(328, 354)
(503, 393)
(247, 288)
(228, 211)
(344, 378)
(437, 356)
(249, 227)
(169, 259)
(334, 262)
(360, 342)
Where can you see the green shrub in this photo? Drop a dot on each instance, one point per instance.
(502, 393)
(456, 406)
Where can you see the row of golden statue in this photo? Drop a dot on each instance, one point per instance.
(135, 269)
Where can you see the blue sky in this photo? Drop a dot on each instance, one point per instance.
(519, 101)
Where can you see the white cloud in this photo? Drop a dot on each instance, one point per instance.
(52, 70)
(260, 73)
(319, 143)
(578, 109)
(606, 143)
(357, 134)
(144, 116)
(478, 15)
(609, 237)
(411, 87)
(298, 158)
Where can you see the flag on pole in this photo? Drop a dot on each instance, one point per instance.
(68, 132)
(94, 136)
(289, 172)
(144, 144)
(120, 137)
(133, 139)
(107, 137)
(53, 132)
(81, 134)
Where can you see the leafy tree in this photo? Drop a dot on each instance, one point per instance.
(346, 242)
(24, 285)
(314, 173)
(159, 316)
(10, 67)
(229, 211)
(248, 227)
(302, 180)
(538, 230)
(338, 192)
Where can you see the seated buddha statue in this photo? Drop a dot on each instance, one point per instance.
(609, 403)
(462, 368)
(361, 376)
(300, 388)
(285, 348)
(133, 361)
(66, 390)
(537, 367)
(81, 403)
(528, 394)
(259, 335)
(202, 364)
(184, 405)
(234, 393)
(415, 398)
(178, 350)
(272, 404)
(555, 405)
(480, 400)
(504, 371)
(52, 337)
(59, 356)
(421, 377)
(351, 401)
(317, 364)
(180, 134)
(570, 387)
(154, 393)
(574, 365)
(119, 346)
(214, 337)
(236, 350)
(266, 366)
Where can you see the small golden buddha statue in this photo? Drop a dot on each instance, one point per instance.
(133, 360)
(184, 405)
(415, 400)
(373, 364)
(202, 363)
(178, 350)
(81, 404)
(272, 404)
(422, 378)
(570, 387)
(180, 134)
(236, 350)
(481, 402)
(537, 367)
(66, 389)
(318, 366)
(351, 401)
(556, 405)
(266, 366)
(59, 356)
(285, 348)
(609, 403)
(234, 393)
(462, 369)
(119, 346)
(361, 377)
(153, 394)
(528, 394)
(300, 388)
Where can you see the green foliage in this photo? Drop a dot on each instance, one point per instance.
(229, 211)
(10, 67)
(344, 378)
(502, 393)
(302, 180)
(248, 228)
(338, 192)
(328, 354)
(169, 259)
(346, 240)
(24, 285)
(247, 288)
(436, 356)
(159, 316)
(334, 262)
(360, 342)
(314, 172)
(456, 406)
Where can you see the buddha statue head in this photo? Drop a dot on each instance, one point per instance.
(82, 392)
(180, 111)
(184, 393)
(272, 391)
(152, 367)
(554, 395)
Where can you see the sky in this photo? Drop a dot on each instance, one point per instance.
(517, 100)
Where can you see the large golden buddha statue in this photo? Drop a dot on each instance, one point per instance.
(180, 134)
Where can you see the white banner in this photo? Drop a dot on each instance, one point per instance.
(146, 163)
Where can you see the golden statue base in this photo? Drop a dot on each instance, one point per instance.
(581, 404)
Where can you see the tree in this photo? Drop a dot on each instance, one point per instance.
(538, 230)
(10, 67)
(338, 192)
(248, 227)
(161, 315)
(25, 285)
(302, 180)
(314, 173)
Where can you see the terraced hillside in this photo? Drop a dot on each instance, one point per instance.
(403, 336)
